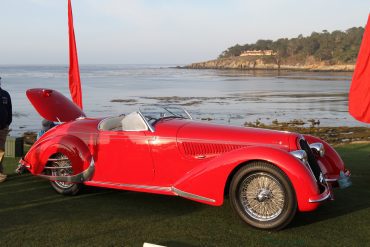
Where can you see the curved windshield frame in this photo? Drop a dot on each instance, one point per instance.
(159, 112)
(155, 113)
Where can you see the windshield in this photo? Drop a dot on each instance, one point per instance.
(155, 113)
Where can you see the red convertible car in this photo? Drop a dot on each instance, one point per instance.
(267, 175)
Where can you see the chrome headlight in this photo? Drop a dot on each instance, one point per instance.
(301, 155)
(318, 148)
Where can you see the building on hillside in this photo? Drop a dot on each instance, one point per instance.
(258, 53)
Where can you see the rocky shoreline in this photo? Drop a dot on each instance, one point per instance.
(258, 63)
(333, 135)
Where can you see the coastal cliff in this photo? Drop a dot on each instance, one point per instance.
(249, 63)
(321, 51)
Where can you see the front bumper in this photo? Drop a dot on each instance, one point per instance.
(343, 180)
(323, 196)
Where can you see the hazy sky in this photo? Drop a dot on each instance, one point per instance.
(160, 31)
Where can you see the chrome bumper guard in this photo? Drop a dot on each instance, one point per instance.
(323, 196)
(344, 181)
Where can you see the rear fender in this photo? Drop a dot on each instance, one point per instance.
(71, 146)
(209, 179)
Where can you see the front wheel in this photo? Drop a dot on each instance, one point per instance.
(61, 166)
(262, 195)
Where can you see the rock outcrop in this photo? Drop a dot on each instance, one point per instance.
(258, 63)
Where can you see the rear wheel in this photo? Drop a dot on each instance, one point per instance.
(262, 195)
(61, 166)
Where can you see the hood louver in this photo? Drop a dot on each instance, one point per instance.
(196, 149)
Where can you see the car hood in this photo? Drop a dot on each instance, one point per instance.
(53, 106)
(206, 132)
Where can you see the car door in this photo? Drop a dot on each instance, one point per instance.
(123, 157)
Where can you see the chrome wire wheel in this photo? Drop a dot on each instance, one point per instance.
(64, 168)
(262, 196)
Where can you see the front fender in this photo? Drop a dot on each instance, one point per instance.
(209, 179)
(332, 162)
(71, 146)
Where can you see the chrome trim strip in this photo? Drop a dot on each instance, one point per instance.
(321, 199)
(136, 186)
(191, 196)
(157, 188)
(78, 178)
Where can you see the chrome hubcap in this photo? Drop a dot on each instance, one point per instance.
(262, 196)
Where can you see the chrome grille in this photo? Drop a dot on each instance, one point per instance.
(311, 159)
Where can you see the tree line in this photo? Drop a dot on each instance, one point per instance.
(334, 47)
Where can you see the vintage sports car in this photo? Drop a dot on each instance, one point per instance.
(267, 175)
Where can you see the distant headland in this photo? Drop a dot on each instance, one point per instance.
(321, 51)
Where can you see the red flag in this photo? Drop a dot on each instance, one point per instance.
(359, 94)
(74, 70)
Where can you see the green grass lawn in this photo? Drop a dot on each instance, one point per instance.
(32, 214)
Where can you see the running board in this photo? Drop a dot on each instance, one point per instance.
(151, 188)
(191, 196)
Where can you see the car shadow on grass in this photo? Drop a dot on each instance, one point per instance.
(331, 209)
(141, 204)
(349, 200)
(23, 191)
(177, 244)
(127, 204)
(31, 203)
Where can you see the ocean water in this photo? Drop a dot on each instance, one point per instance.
(227, 97)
